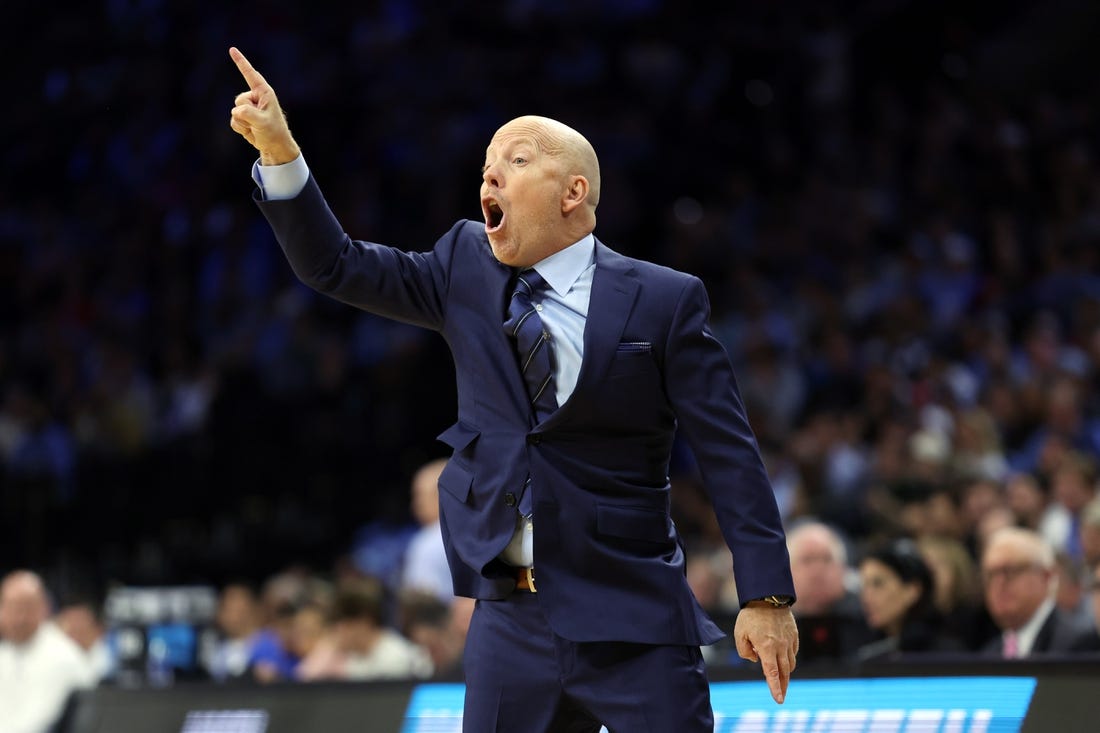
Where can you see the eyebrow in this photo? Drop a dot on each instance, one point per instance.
(512, 143)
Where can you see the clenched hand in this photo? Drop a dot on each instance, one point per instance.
(770, 636)
(258, 118)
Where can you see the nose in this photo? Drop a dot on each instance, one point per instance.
(491, 176)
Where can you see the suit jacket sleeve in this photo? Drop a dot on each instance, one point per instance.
(405, 286)
(707, 401)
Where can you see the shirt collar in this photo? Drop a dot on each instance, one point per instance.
(561, 269)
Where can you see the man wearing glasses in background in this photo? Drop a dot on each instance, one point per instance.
(1020, 580)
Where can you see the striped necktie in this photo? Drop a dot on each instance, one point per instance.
(532, 344)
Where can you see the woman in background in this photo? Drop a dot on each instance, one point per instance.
(957, 591)
(897, 594)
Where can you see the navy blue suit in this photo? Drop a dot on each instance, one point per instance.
(609, 563)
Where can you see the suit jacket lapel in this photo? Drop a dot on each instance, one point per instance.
(614, 288)
(1045, 638)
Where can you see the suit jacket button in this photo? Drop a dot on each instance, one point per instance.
(509, 499)
(534, 439)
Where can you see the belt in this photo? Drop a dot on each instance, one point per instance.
(525, 579)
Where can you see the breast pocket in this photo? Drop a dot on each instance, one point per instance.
(632, 363)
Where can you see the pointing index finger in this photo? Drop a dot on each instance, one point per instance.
(775, 677)
(254, 78)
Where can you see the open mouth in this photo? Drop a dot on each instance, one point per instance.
(494, 215)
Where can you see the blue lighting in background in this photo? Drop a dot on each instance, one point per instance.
(874, 705)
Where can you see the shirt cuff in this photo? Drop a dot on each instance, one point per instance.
(281, 182)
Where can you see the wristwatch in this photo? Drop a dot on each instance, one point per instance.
(777, 601)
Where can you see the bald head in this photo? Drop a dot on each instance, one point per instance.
(23, 606)
(539, 189)
(561, 142)
(818, 563)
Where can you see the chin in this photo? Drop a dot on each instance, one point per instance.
(505, 253)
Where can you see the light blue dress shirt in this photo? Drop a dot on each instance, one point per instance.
(563, 308)
(281, 182)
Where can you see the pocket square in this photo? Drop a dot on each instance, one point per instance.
(630, 347)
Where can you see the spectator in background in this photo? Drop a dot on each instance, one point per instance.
(1030, 503)
(711, 579)
(82, 622)
(979, 500)
(772, 386)
(361, 646)
(1094, 592)
(957, 594)
(239, 621)
(1065, 425)
(292, 608)
(929, 456)
(998, 517)
(1072, 586)
(1090, 535)
(898, 597)
(1073, 486)
(437, 627)
(425, 566)
(925, 508)
(1020, 581)
(977, 446)
(41, 454)
(40, 667)
(310, 631)
(831, 625)
(271, 659)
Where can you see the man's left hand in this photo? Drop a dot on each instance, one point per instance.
(769, 635)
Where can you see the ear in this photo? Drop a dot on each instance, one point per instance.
(575, 194)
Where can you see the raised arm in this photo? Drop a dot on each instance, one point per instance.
(405, 286)
(258, 118)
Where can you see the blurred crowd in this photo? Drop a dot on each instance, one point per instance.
(895, 207)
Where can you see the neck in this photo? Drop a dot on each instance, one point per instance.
(894, 629)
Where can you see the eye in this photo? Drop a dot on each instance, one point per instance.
(519, 160)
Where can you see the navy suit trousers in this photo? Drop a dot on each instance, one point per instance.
(522, 677)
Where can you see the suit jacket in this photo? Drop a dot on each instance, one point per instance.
(609, 562)
(1061, 633)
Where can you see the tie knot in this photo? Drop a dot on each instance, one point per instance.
(529, 282)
